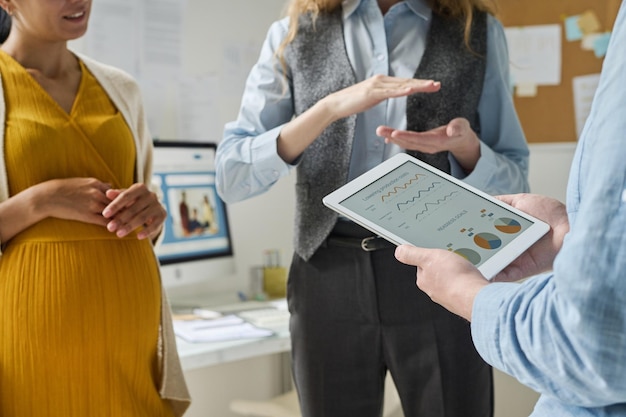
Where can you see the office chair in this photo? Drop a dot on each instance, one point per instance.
(286, 405)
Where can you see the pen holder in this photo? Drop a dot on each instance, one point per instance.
(275, 282)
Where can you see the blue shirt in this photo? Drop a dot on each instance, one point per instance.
(564, 333)
(247, 160)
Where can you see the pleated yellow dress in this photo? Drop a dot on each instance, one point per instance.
(79, 307)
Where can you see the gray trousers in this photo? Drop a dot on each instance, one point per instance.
(357, 314)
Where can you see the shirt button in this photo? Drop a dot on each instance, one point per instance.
(381, 57)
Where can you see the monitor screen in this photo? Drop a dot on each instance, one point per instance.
(196, 246)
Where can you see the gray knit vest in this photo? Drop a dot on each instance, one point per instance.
(319, 66)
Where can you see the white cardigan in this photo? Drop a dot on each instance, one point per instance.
(125, 94)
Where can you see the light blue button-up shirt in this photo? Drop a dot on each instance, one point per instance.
(564, 333)
(393, 44)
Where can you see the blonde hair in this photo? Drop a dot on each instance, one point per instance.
(454, 9)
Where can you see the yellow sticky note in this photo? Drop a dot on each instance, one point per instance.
(588, 22)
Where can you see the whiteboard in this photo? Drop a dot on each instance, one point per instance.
(190, 57)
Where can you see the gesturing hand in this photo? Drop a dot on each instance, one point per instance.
(457, 137)
(134, 207)
(368, 93)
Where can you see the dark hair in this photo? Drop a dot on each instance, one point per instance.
(5, 25)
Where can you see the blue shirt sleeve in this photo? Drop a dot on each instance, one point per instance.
(503, 164)
(564, 333)
(247, 161)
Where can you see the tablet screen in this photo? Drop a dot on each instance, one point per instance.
(427, 210)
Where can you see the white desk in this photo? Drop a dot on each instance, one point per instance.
(199, 355)
(219, 372)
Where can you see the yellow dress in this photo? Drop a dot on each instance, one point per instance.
(79, 307)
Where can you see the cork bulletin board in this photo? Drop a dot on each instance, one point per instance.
(548, 114)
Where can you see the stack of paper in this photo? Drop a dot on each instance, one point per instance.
(224, 328)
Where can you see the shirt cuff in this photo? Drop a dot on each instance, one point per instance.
(487, 319)
(268, 165)
(481, 174)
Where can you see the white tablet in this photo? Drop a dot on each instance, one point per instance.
(407, 201)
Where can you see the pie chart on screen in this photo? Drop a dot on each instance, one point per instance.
(508, 226)
(470, 255)
(487, 241)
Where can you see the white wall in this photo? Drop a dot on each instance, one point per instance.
(549, 168)
(264, 222)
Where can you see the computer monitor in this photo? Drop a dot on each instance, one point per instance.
(196, 246)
